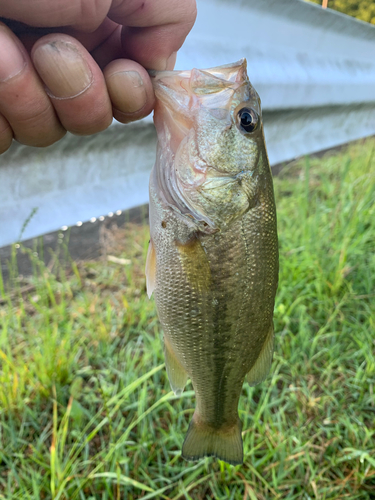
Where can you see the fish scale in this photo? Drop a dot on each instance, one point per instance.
(214, 282)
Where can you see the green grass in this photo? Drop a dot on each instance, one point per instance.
(86, 411)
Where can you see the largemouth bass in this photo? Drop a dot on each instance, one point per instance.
(212, 262)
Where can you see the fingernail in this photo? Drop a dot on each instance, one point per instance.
(12, 61)
(171, 61)
(127, 91)
(163, 64)
(62, 68)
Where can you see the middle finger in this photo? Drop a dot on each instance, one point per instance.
(75, 83)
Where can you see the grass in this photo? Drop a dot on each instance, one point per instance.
(86, 411)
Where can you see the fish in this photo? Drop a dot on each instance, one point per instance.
(212, 261)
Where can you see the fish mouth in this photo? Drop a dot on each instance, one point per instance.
(227, 72)
(181, 91)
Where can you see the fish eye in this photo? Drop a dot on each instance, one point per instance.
(247, 120)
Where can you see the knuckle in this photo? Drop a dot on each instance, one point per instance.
(188, 19)
(39, 128)
(37, 116)
(191, 10)
(187, 13)
(92, 14)
(89, 125)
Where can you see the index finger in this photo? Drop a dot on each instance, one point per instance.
(83, 14)
(143, 13)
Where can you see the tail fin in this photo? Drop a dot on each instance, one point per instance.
(203, 440)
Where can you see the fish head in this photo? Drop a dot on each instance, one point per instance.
(211, 140)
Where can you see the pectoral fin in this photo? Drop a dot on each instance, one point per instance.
(263, 364)
(176, 373)
(195, 264)
(150, 269)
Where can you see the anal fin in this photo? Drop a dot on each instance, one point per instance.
(263, 364)
(176, 373)
(150, 269)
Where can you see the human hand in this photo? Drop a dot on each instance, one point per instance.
(75, 64)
